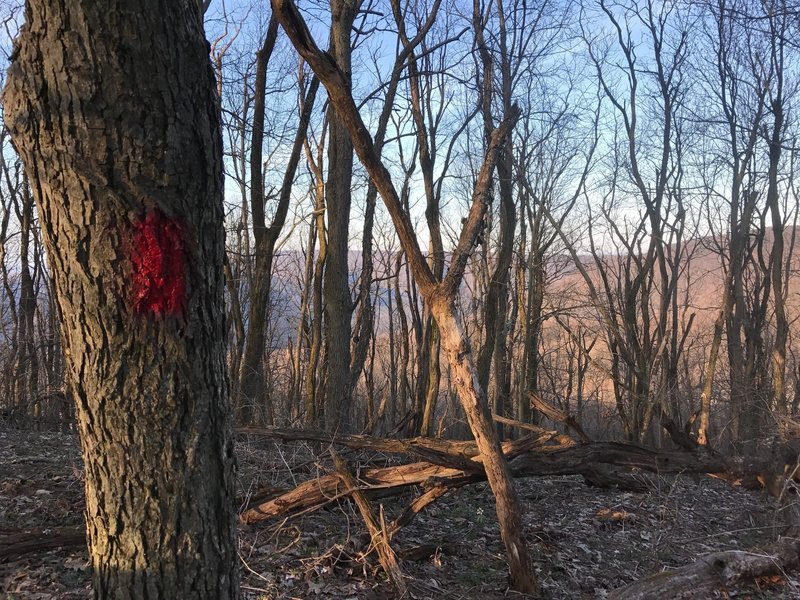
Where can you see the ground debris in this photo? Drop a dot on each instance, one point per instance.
(586, 542)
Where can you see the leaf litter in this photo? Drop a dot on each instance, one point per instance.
(584, 541)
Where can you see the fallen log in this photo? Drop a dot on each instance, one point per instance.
(714, 573)
(316, 493)
(16, 542)
(363, 442)
(581, 460)
(525, 460)
(418, 446)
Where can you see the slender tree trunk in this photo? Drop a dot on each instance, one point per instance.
(251, 383)
(13, 187)
(535, 305)
(27, 363)
(463, 374)
(338, 190)
(302, 319)
(237, 323)
(497, 299)
(251, 373)
(776, 258)
(496, 306)
(708, 381)
(429, 357)
(311, 392)
(404, 353)
(740, 384)
(433, 378)
(113, 111)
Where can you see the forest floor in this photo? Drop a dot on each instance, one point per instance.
(585, 541)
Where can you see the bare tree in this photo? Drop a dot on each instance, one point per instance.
(338, 304)
(251, 384)
(639, 301)
(441, 295)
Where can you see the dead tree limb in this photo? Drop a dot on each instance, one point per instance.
(318, 492)
(378, 533)
(421, 447)
(364, 442)
(526, 460)
(17, 542)
(559, 437)
(416, 507)
(558, 415)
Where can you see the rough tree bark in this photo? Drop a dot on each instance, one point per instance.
(113, 111)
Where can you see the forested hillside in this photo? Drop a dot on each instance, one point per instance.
(495, 240)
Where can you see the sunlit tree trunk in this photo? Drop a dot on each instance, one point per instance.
(113, 111)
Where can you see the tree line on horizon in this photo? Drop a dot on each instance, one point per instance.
(654, 153)
(565, 189)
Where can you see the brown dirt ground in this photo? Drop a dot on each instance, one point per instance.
(585, 541)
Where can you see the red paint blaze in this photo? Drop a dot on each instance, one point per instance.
(159, 266)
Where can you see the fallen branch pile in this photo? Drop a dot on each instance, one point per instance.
(441, 466)
(449, 465)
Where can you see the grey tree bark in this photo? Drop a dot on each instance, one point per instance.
(113, 111)
(338, 303)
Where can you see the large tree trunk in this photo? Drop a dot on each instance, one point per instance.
(113, 111)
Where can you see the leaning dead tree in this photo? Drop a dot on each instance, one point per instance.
(440, 295)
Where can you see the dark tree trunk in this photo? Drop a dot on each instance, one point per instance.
(250, 388)
(338, 304)
(251, 385)
(27, 367)
(113, 111)
(311, 390)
